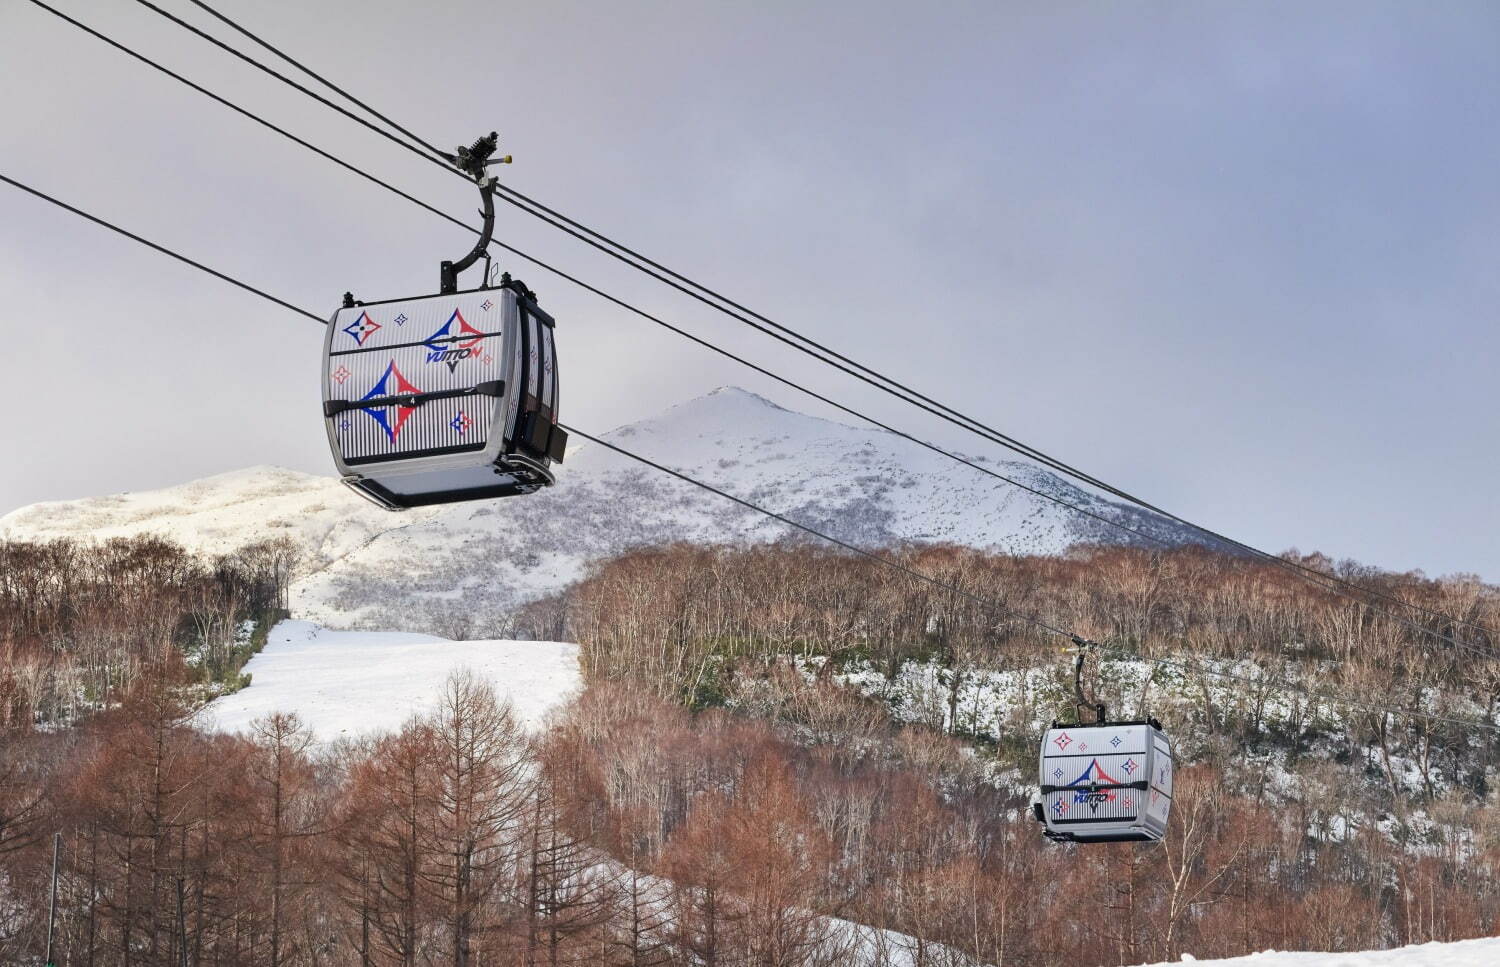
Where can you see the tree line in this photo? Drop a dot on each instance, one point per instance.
(678, 618)
(80, 620)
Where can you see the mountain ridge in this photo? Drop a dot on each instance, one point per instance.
(457, 569)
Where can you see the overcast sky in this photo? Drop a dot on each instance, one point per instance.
(1243, 259)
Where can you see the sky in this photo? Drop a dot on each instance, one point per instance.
(1240, 259)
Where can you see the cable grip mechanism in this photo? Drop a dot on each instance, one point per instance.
(472, 161)
(1080, 650)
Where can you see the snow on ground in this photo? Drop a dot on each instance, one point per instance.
(1463, 953)
(348, 684)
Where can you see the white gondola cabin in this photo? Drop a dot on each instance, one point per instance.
(1108, 782)
(443, 398)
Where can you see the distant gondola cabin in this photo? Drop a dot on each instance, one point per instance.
(1105, 782)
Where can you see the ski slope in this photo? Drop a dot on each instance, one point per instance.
(346, 684)
(1484, 952)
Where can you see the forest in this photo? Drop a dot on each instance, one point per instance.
(783, 756)
(80, 621)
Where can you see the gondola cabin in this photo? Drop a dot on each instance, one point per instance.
(443, 398)
(1108, 782)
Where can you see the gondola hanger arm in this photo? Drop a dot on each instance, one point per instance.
(1081, 646)
(472, 161)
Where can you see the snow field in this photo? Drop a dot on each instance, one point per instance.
(1484, 952)
(346, 684)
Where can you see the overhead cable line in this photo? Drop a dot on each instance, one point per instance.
(224, 277)
(745, 315)
(1310, 573)
(560, 273)
(163, 250)
(435, 157)
(418, 139)
(879, 558)
(873, 378)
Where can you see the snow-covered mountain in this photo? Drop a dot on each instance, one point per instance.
(223, 512)
(455, 570)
